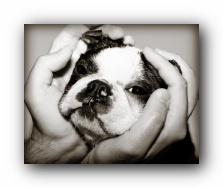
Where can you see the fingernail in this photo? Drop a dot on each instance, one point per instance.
(163, 95)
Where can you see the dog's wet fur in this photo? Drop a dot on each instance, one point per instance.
(181, 152)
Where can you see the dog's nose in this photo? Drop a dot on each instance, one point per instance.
(98, 90)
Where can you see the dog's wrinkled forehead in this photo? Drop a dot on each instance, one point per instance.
(114, 61)
(123, 64)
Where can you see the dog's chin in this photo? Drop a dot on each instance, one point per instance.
(89, 126)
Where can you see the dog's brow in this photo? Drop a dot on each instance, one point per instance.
(119, 83)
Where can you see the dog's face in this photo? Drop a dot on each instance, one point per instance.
(108, 91)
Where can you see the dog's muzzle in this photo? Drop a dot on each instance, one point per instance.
(97, 91)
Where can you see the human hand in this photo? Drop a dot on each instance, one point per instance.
(70, 35)
(53, 138)
(183, 90)
(164, 119)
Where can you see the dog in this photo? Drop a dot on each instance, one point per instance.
(109, 88)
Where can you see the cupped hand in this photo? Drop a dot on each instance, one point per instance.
(164, 119)
(183, 90)
(54, 139)
(41, 98)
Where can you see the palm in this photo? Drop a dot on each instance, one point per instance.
(52, 122)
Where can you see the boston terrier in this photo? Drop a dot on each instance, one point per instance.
(108, 90)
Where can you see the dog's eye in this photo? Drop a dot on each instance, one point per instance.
(137, 90)
(81, 69)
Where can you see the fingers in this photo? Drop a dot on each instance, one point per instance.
(112, 31)
(42, 73)
(133, 145)
(58, 60)
(128, 40)
(163, 67)
(72, 33)
(81, 48)
(176, 84)
(42, 99)
(175, 126)
(68, 36)
(115, 32)
(188, 75)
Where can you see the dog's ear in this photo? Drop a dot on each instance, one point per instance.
(97, 41)
(152, 74)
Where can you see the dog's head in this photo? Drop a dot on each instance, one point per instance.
(108, 89)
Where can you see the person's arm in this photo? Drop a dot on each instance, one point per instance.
(43, 149)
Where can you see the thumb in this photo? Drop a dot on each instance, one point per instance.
(58, 60)
(68, 36)
(42, 72)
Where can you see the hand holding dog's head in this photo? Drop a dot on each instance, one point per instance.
(109, 87)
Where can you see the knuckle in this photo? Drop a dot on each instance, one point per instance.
(180, 135)
(188, 71)
(28, 93)
(192, 77)
(29, 99)
(182, 83)
(40, 59)
(163, 96)
(178, 58)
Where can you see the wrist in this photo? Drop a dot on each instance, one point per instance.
(41, 149)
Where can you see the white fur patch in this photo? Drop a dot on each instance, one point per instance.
(119, 64)
(90, 129)
(118, 67)
(125, 112)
